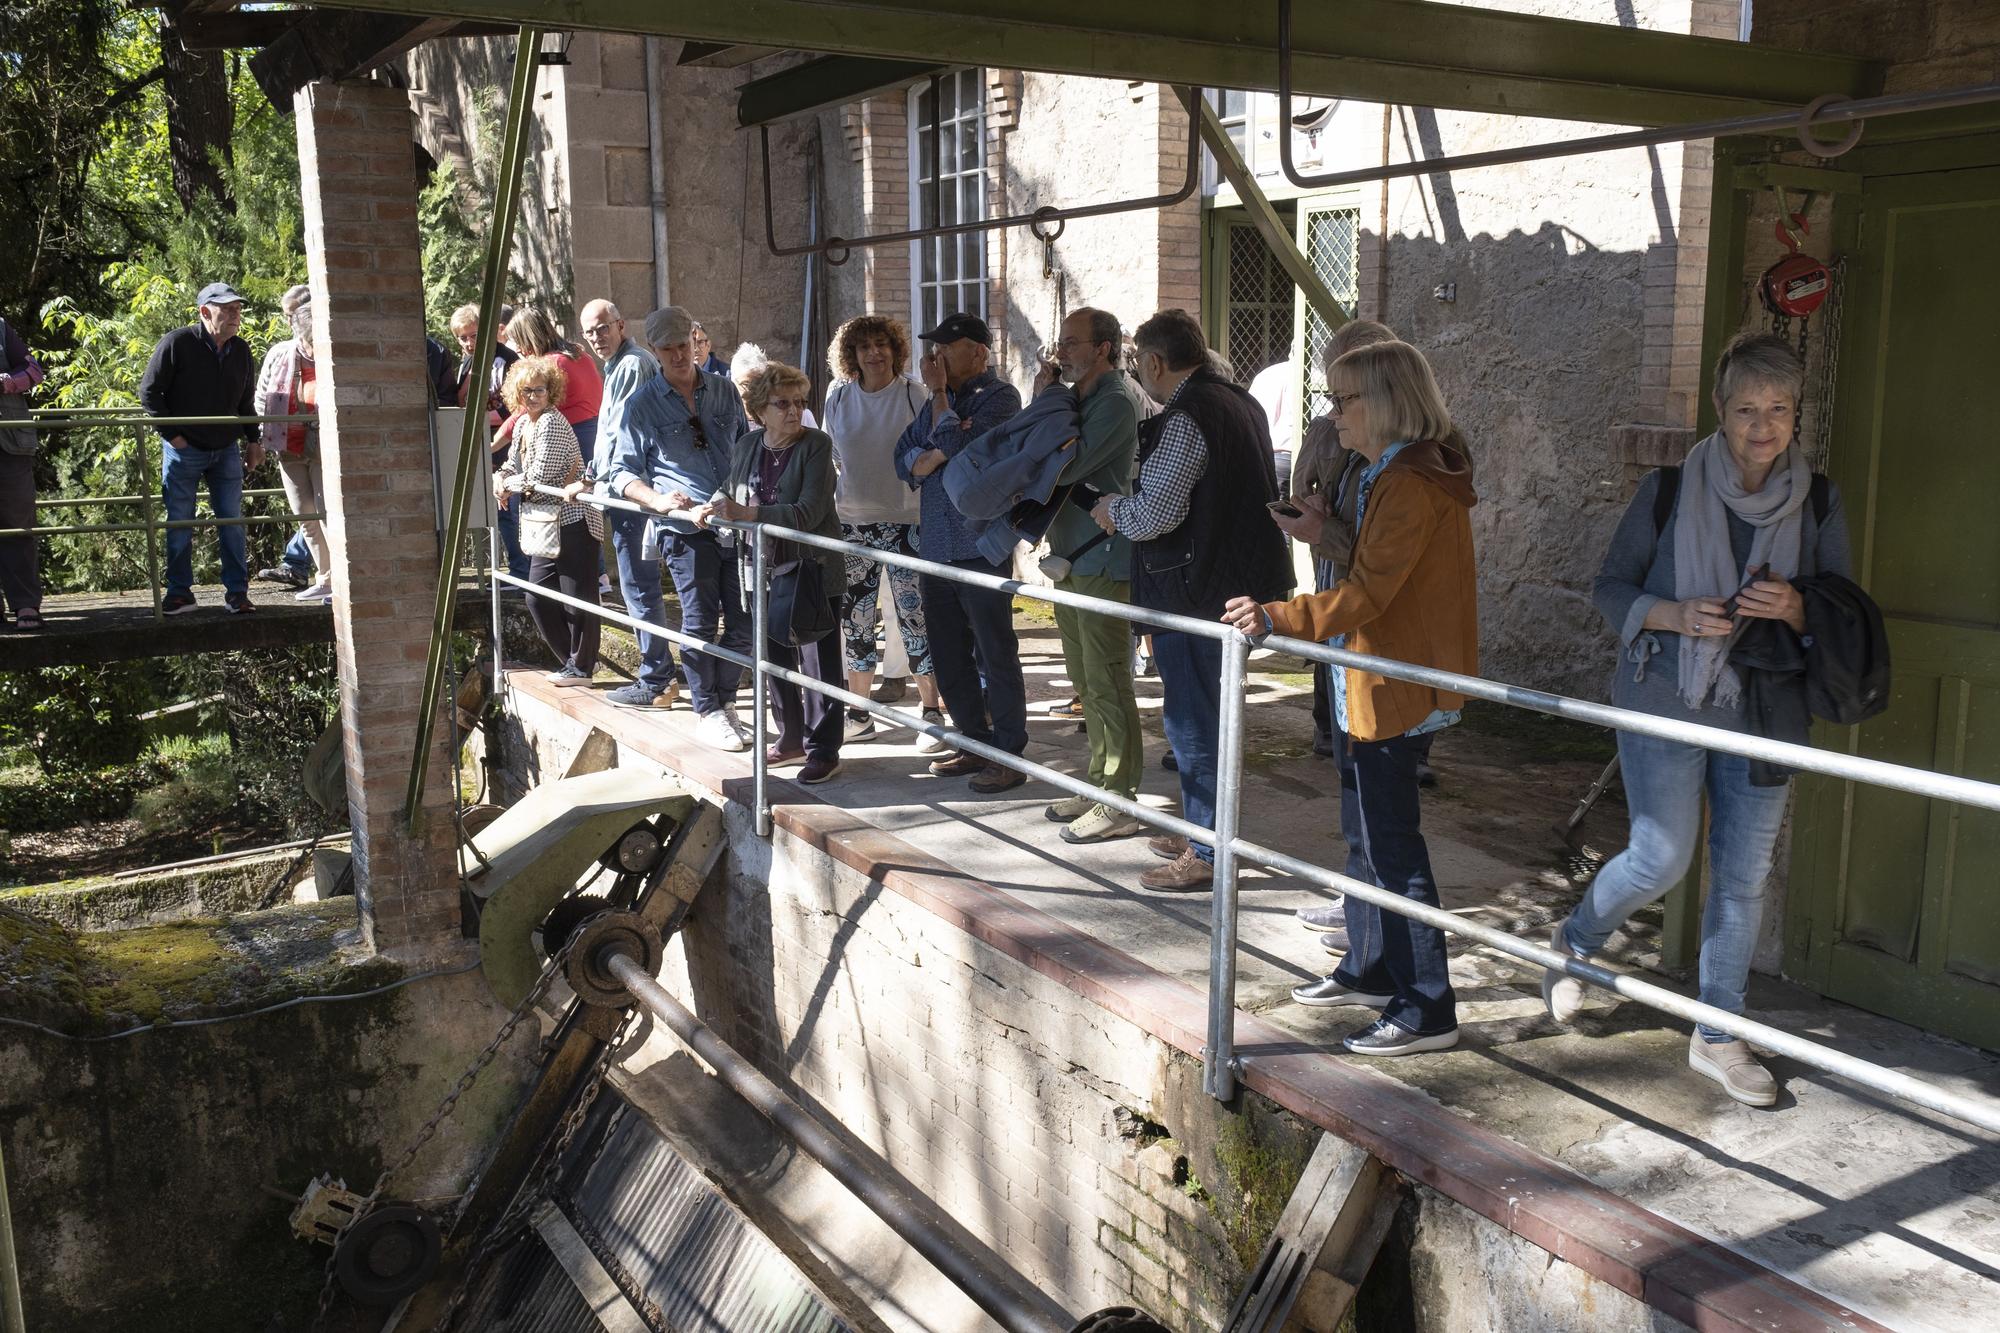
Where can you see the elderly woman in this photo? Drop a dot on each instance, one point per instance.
(1410, 594)
(1685, 571)
(532, 333)
(287, 385)
(560, 536)
(871, 404)
(782, 473)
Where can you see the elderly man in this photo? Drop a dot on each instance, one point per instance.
(670, 445)
(971, 629)
(627, 366)
(1097, 650)
(1199, 520)
(205, 370)
(465, 392)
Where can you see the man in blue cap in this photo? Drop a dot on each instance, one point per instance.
(205, 370)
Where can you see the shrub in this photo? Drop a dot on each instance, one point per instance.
(200, 784)
(75, 718)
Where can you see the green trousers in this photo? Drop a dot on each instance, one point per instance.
(1097, 650)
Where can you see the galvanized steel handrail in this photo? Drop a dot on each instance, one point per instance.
(1222, 1065)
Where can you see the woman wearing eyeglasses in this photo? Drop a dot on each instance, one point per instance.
(782, 473)
(560, 536)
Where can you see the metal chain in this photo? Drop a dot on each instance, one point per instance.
(645, 1306)
(445, 1107)
(1829, 367)
(517, 1213)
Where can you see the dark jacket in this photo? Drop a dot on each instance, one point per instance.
(190, 377)
(1847, 651)
(804, 503)
(1227, 545)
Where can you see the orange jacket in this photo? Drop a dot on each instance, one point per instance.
(1411, 593)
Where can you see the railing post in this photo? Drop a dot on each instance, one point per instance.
(1219, 1069)
(149, 503)
(496, 559)
(759, 612)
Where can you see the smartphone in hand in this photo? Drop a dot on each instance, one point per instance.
(1285, 507)
(1757, 575)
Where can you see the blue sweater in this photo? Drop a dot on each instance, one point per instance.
(977, 406)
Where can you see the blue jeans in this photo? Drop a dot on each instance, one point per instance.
(1358, 865)
(977, 657)
(182, 471)
(1389, 954)
(1191, 707)
(1664, 781)
(639, 584)
(510, 537)
(299, 555)
(706, 581)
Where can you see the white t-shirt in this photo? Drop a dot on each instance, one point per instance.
(1273, 388)
(865, 427)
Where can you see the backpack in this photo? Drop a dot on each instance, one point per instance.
(1670, 488)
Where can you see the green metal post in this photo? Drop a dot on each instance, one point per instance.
(150, 503)
(499, 243)
(12, 1320)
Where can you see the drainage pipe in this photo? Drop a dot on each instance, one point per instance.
(998, 1290)
(656, 171)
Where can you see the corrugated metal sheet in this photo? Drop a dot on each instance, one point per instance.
(682, 1243)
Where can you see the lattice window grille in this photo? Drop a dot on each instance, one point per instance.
(1333, 248)
(1259, 329)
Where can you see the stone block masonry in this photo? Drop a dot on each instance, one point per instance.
(356, 158)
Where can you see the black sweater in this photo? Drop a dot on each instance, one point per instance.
(188, 378)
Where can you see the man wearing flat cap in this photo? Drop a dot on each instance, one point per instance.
(971, 629)
(671, 440)
(205, 370)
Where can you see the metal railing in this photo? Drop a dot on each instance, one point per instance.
(151, 505)
(1221, 1065)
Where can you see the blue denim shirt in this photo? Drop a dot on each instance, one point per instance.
(978, 405)
(1439, 718)
(630, 367)
(656, 443)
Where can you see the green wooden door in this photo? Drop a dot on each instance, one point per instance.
(1896, 899)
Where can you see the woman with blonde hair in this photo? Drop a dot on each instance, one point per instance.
(1409, 594)
(781, 473)
(560, 535)
(532, 333)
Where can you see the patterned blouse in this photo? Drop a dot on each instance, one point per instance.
(546, 453)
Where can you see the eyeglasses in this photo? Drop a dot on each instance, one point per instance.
(598, 331)
(1079, 342)
(534, 390)
(1337, 402)
(786, 404)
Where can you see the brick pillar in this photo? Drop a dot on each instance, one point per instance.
(357, 172)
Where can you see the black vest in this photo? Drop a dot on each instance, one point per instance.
(1227, 546)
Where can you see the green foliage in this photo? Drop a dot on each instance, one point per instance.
(277, 702)
(452, 251)
(32, 801)
(76, 718)
(200, 786)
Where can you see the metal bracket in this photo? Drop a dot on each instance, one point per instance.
(1035, 218)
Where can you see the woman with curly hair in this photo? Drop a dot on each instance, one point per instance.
(872, 401)
(560, 536)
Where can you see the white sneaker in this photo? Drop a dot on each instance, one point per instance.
(319, 590)
(719, 730)
(857, 725)
(743, 729)
(1561, 992)
(931, 744)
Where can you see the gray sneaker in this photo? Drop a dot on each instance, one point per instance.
(1733, 1065)
(857, 725)
(1561, 992)
(1330, 917)
(1334, 941)
(634, 695)
(1327, 993)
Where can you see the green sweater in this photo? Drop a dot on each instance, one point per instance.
(1104, 463)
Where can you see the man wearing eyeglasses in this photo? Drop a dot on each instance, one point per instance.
(671, 447)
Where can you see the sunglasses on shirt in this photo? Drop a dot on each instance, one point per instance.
(700, 435)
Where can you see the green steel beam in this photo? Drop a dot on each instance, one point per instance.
(493, 277)
(1262, 216)
(1414, 52)
(828, 81)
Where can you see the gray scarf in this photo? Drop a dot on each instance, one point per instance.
(1711, 489)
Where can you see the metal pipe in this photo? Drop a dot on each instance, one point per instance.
(12, 1319)
(499, 243)
(1009, 1298)
(1038, 218)
(496, 555)
(656, 175)
(1830, 110)
(760, 626)
(152, 533)
(1219, 1063)
(73, 422)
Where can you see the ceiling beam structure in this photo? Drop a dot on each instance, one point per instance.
(822, 83)
(1412, 52)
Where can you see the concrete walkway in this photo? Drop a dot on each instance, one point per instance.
(1892, 1212)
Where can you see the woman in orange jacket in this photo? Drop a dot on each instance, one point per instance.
(1409, 594)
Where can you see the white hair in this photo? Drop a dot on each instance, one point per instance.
(749, 359)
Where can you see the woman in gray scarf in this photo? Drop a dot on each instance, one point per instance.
(1742, 502)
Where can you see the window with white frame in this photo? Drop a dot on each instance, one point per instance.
(948, 272)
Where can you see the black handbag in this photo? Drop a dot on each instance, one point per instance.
(796, 608)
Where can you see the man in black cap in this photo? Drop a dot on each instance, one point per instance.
(971, 629)
(205, 370)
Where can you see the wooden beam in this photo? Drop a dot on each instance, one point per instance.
(1262, 216)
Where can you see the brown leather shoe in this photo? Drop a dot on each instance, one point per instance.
(997, 778)
(956, 765)
(1167, 846)
(1186, 873)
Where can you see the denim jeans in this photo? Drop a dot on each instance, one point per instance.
(299, 555)
(1664, 781)
(1389, 954)
(711, 593)
(977, 657)
(1191, 685)
(182, 472)
(1358, 865)
(639, 584)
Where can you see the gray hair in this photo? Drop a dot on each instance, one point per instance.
(1103, 326)
(294, 297)
(1753, 359)
(749, 359)
(302, 326)
(668, 326)
(1354, 333)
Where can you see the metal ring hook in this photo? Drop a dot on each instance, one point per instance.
(1044, 214)
(1820, 147)
(836, 247)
